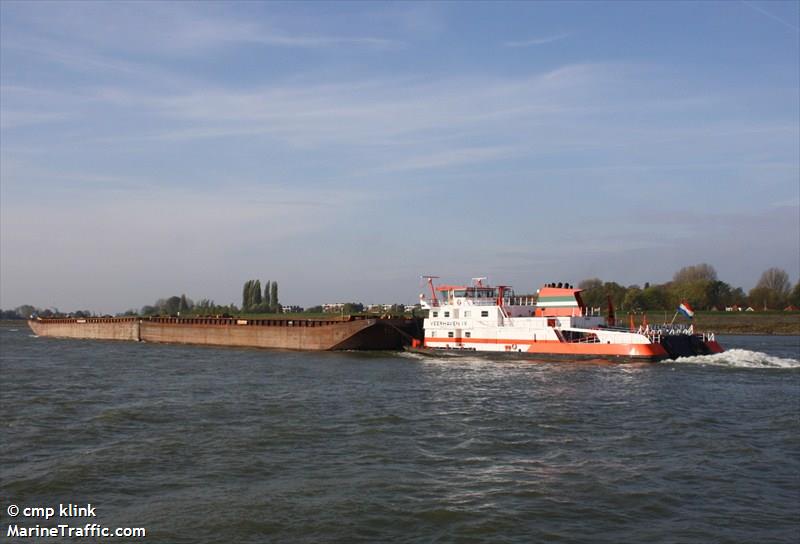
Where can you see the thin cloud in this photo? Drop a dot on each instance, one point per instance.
(162, 29)
(322, 41)
(770, 15)
(371, 113)
(204, 34)
(451, 158)
(14, 119)
(538, 41)
(86, 60)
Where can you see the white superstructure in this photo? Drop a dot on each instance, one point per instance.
(556, 322)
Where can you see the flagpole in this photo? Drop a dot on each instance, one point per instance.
(673, 317)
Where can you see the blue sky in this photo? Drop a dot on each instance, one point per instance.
(344, 149)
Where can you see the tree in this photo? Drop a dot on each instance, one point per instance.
(172, 305)
(702, 271)
(738, 297)
(203, 306)
(592, 295)
(634, 299)
(695, 291)
(255, 300)
(719, 294)
(616, 292)
(352, 308)
(273, 297)
(699, 285)
(794, 297)
(595, 293)
(25, 311)
(246, 290)
(267, 296)
(762, 298)
(775, 279)
(772, 289)
(655, 297)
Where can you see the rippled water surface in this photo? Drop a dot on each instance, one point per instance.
(228, 445)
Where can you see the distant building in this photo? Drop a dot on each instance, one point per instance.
(291, 309)
(334, 307)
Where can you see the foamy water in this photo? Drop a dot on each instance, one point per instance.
(740, 358)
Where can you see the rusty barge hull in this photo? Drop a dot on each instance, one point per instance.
(353, 333)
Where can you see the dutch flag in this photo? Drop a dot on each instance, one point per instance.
(686, 310)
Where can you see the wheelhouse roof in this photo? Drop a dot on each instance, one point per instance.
(464, 287)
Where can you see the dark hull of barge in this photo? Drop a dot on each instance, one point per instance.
(348, 333)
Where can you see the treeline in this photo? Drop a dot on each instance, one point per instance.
(254, 302)
(183, 305)
(346, 308)
(26, 310)
(699, 285)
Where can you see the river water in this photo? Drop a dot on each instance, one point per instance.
(202, 445)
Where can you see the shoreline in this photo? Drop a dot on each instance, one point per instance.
(759, 324)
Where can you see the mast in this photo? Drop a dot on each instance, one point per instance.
(430, 279)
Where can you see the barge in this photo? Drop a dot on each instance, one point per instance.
(347, 333)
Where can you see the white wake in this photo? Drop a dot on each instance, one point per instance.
(732, 358)
(740, 358)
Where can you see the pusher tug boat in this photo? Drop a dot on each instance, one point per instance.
(474, 318)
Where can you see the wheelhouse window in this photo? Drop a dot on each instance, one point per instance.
(450, 334)
(435, 314)
(484, 313)
(485, 293)
(447, 314)
(468, 334)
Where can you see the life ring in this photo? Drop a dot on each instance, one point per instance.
(458, 302)
(513, 346)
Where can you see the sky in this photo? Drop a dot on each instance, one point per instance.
(345, 149)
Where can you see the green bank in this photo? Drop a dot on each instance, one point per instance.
(776, 322)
